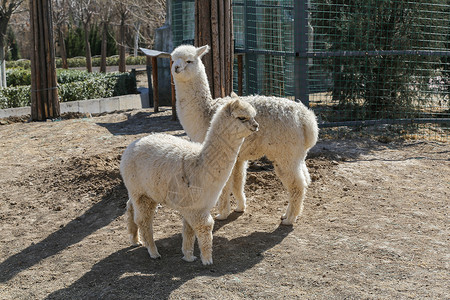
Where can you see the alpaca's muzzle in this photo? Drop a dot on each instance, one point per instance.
(255, 126)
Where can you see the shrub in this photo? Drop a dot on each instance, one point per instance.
(102, 87)
(138, 60)
(21, 63)
(67, 76)
(74, 85)
(16, 96)
(125, 83)
(17, 77)
(80, 62)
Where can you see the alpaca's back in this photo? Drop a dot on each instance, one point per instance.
(285, 126)
(284, 119)
(150, 165)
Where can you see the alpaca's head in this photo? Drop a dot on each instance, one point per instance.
(243, 117)
(187, 63)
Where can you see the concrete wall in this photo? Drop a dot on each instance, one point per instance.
(93, 106)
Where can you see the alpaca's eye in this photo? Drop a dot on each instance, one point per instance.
(189, 61)
(243, 119)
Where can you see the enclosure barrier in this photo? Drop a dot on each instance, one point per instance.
(356, 63)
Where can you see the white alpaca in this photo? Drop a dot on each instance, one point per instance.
(287, 131)
(185, 176)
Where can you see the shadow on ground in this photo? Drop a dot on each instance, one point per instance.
(130, 273)
(143, 122)
(98, 216)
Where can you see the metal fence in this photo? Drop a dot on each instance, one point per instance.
(355, 62)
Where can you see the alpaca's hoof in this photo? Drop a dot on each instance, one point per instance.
(189, 258)
(221, 216)
(154, 255)
(207, 261)
(240, 209)
(287, 221)
(134, 240)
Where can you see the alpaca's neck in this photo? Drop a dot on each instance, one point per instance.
(220, 150)
(194, 106)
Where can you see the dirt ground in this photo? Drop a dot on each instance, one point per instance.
(375, 223)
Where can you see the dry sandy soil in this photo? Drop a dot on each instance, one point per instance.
(375, 223)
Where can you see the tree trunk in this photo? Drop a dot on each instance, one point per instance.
(88, 49)
(2, 66)
(104, 47)
(214, 27)
(62, 48)
(122, 58)
(136, 38)
(44, 91)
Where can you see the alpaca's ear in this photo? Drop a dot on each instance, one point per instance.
(202, 51)
(233, 105)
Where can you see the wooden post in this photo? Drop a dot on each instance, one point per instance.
(149, 80)
(155, 83)
(44, 90)
(214, 27)
(240, 73)
(152, 66)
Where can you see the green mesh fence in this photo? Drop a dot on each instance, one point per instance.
(380, 60)
(364, 61)
(183, 22)
(263, 30)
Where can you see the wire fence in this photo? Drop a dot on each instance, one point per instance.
(355, 62)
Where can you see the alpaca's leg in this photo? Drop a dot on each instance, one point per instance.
(293, 178)
(239, 175)
(188, 242)
(131, 226)
(305, 172)
(224, 205)
(144, 211)
(203, 227)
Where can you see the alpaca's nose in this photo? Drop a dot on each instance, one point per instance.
(255, 126)
(177, 69)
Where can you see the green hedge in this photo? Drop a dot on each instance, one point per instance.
(16, 96)
(79, 62)
(18, 76)
(93, 85)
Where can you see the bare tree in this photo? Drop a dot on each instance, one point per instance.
(137, 29)
(149, 14)
(84, 10)
(60, 17)
(123, 11)
(7, 8)
(106, 15)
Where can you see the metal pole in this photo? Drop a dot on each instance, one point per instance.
(301, 48)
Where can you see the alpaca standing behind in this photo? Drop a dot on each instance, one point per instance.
(287, 131)
(185, 176)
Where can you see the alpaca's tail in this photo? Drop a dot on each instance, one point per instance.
(310, 129)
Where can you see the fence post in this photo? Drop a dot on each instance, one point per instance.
(301, 48)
